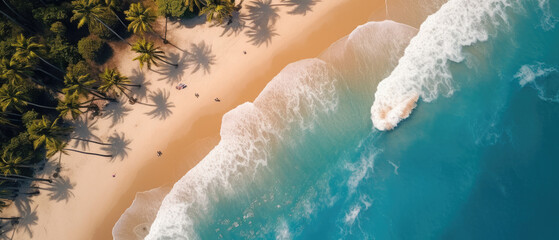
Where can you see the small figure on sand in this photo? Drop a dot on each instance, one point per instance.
(159, 153)
(197, 95)
(180, 86)
(114, 174)
(217, 100)
(245, 52)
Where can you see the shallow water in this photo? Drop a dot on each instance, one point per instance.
(476, 159)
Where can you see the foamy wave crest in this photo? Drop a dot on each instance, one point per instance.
(538, 75)
(424, 69)
(296, 95)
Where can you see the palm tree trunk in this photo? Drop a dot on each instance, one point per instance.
(41, 106)
(117, 17)
(165, 37)
(11, 9)
(13, 114)
(20, 177)
(45, 61)
(96, 154)
(91, 141)
(130, 99)
(16, 22)
(107, 26)
(50, 74)
(132, 85)
(99, 95)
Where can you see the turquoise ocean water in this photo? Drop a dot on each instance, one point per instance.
(478, 158)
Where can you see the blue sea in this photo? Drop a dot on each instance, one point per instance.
(313, 157)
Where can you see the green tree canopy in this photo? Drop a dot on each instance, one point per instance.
(140, 18)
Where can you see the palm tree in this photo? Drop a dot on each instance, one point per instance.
(13, 97)
(81, 85)
(9, 162)
(15, 71)
(140, 18)
(70, 106)
(219, 11)
(10, 169)
(190, 4)
(56, 147)
(114, 6)
(113, 81)
(44, 131)
(28, 49)
(86, 11)
(149, 54)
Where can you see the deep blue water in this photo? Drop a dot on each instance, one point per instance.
(478, 162)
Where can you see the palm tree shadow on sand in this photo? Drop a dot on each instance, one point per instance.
(261, 35)
(201, 57)
(118, 147)
(172, 74)
(116, 111)
(138, 77)
(161, 104)
(83, 132)
(236, 26)
(60, 189)
(28, 216)
(301, 7)
(263, 16)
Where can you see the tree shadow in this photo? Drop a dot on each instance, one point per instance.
(28, 216)
(301, 7)
(263, 13)
(162, 108)
(263, 16)
(116, 111)
(83, 131)
(191, 22)
(118, 147)
(236, 26)
(259, 35)
(201, 57)
(60, 189)
(171, 73)
(138, 77)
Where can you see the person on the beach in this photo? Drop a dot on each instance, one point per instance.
(114, 175)
(197, 95)
(217, 100)
(245, 52)
(159, 153)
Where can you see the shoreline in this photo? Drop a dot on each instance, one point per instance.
(94, 200)
(206, 128)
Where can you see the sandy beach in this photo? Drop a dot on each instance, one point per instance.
(86, 201)
(233, 63)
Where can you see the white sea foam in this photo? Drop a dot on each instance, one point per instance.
(529, 73)
(538, 76)
(548, 21)
(424, 69)
(297, 94)
(282, 231)
(350, 217)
